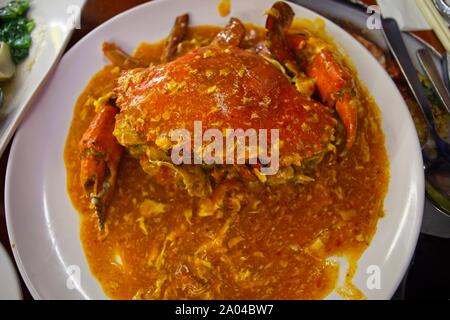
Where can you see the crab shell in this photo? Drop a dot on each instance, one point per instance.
(224, 87)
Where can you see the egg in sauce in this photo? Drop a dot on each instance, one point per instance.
(270, 242)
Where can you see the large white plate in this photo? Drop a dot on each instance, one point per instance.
(45, 227)
(54, 25)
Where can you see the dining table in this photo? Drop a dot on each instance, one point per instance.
(94, 13)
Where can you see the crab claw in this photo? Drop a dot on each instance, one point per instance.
(287, 48)
(177, 35)
(336, 88)
(100, 157)
(332, 79)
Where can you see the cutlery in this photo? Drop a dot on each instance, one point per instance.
(438, 17)
(426, 60)
(446, 68)
(436, 151)
(443, 8)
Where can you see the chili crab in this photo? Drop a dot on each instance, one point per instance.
(271, 86)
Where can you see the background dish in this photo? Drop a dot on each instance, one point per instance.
(50, 36)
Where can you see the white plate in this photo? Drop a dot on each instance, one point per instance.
(53, 29)
(44, 225)
(10, 285)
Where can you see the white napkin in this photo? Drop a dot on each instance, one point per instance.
(406, 12)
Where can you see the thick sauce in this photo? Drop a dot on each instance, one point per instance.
(275, 244)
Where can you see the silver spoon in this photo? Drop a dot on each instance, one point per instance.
(446, 68)
(443, 8)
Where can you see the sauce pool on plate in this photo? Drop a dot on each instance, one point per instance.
(268, 242)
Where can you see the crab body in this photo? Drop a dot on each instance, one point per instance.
(224, 87)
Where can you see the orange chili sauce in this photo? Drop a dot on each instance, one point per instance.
(276, 247)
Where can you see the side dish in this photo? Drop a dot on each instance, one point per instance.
(15, 38)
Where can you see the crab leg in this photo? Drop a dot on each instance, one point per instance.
(119, 57)
(231, 35)
(177, 35)
(337, 88)
(125, 61)
(99, 149)
(100, 157)
(284, 47)
(279, 20)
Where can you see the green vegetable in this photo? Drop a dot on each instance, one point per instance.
(15, 28)
(15, 9)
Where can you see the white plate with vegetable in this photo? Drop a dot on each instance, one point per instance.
(33, 35)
